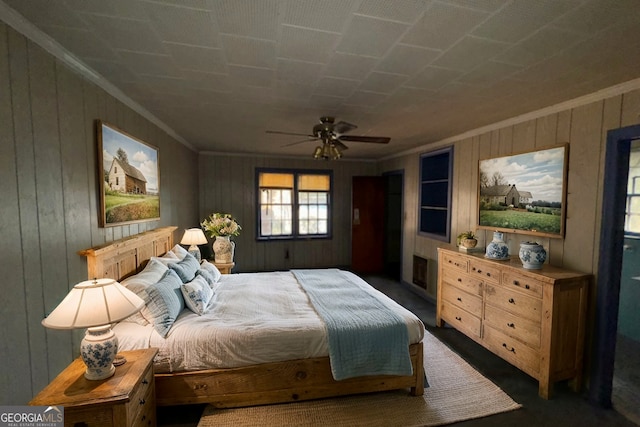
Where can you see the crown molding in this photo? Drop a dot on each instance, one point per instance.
(33, 33)
(599, 95)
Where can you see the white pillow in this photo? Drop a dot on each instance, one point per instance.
(197, 294)
(179, 251)
(138, 283)
(212, 269)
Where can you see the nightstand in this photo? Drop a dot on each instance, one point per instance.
(127, 398)
(224, 267)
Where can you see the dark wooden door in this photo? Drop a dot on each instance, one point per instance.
(367, 224)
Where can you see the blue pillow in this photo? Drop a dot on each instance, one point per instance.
(186, 268)
(206, 276)
(165, 302)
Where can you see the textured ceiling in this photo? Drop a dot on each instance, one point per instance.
(220, 73)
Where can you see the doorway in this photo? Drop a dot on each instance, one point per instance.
(376, 224)
(625, 395)
(393, 223)
(614, 329)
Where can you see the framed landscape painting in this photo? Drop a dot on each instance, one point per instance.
(524, 193)
(129, 177)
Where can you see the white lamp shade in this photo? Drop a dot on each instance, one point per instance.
(193, 236)
(94, 303)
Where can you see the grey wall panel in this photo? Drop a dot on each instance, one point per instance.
(50, 201)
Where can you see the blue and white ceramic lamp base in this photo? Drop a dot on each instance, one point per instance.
(98, 350)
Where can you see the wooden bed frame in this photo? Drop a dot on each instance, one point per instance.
(267, 383)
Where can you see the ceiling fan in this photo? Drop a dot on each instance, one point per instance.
(332, 136)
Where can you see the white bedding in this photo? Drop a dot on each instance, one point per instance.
(253, 318)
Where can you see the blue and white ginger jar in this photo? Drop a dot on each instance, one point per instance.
(497, 248)
(532, 255)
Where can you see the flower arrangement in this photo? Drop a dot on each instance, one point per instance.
(221, 224)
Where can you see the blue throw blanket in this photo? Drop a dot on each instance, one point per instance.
(365, 336)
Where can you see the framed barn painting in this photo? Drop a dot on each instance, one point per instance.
(129, 177)
(524, 193)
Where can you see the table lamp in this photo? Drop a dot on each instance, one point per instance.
(95, 305)
(194, 237)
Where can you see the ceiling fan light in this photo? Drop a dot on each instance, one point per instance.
(335, 152)
(326, 151)
(317, 153)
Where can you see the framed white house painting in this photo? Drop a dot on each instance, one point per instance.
(524, 193)
(129, 178)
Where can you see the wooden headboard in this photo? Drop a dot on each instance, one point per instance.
(121, 258)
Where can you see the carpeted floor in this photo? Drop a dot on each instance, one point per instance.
(456, 392)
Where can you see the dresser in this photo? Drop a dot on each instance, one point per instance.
(125, 399)
(534, 319)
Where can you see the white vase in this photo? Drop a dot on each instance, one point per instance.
(532, 255)
(223, 249)
(497, 248)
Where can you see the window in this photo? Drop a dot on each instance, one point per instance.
(294, 204)
(435, 194)
(632, 217)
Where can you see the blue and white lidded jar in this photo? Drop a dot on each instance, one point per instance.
(497, 248)
(532, 255)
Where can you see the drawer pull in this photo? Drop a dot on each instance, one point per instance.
(513, 350)
(527, 287)
(459, 299)
(488, 274)
(480, 271)
(512, 301)
(145, 381)
(142, 401)
(459, 318)
(460, 279)
(511, 325)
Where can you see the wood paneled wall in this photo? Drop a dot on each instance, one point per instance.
(583, 127)
(49, 204)
(228, 185)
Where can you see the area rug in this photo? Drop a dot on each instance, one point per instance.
(456, 392)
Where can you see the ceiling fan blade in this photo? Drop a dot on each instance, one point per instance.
(310, 138)
(373, 139)
(289, 133)
(339, 144)
(343, 127)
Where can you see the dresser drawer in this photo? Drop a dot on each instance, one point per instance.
(484, 270)
(464, 300)
(527, 331)
(142, 398)
(512, 350)
(513, 302)
(468, 283)
(146, 417)
(455, 261)
(461, 319)
(529, 286)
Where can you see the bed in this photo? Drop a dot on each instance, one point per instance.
(198, 364)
